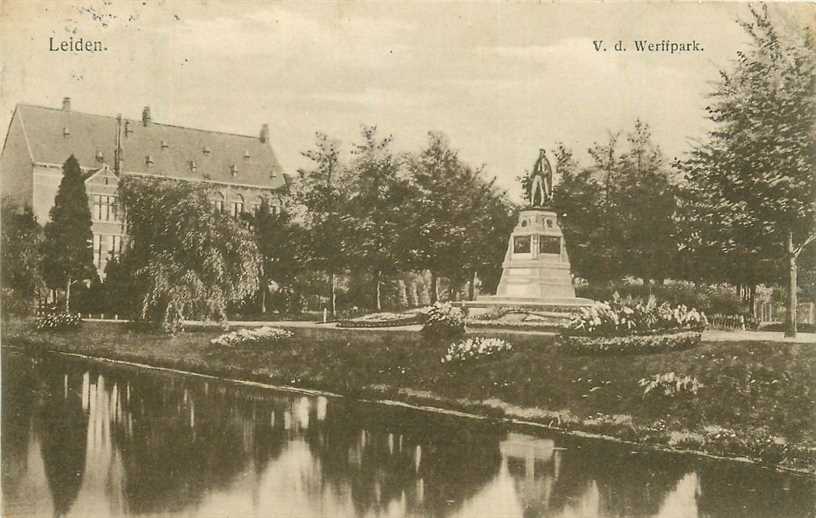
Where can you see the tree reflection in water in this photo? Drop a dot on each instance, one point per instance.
(108, 441)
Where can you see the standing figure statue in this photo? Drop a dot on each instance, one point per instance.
(540, 187)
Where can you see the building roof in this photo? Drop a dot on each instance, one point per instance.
(156, 149)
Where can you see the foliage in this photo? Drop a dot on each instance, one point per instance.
(750, 201)
(377, 207)
(442, 320)
(458, 222)
(189, 261)
(472, 349)
(706, 298)
(617, 215)
(57, 322)
(322, 195)
(632, 344)
(617, 318)
(670, 384)
(280, 241)
(21, 257)
(67, 254)
(260, 335)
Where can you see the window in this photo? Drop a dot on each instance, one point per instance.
(97, 250)
(549, 244)
(273, 210)
(238, 206)
(521, 245)
(116, 246)
(98, 206)
(217, 201)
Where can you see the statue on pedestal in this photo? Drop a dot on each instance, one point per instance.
(540, 184)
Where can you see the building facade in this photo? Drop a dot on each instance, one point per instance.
(242, 170)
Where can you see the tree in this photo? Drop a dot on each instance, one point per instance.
(618, 215)
(322, 193)
(190, 261)
(757, 171)
(21, 256)
(67, 252)
(279, 240)
(377, 207)
(440, 210)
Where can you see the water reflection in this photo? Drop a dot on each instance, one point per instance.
(82, 439)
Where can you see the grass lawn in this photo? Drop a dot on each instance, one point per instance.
(757, 398)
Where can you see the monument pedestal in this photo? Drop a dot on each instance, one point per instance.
(536, 268)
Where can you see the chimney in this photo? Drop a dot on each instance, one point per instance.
(264, 133)
(146, 120)
(66, 104)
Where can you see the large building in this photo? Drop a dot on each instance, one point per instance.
(243, 170)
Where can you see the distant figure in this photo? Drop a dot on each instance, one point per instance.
(541, 181)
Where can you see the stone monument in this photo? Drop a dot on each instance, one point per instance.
(536, 267)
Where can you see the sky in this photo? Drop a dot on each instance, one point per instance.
(500, 79)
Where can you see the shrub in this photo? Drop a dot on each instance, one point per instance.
(474, 349)
(670, 384)
(57, 321)
(252, 336)
(636, 344)
(442, 320)
(618, 318)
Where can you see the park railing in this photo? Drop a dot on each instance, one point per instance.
(775, 312)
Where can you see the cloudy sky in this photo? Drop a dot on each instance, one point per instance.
(501, 79)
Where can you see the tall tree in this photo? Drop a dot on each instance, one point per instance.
(280, 242)
(618, 214)
(21, 256)
(68, 254)
(322, 193)
(760, 160)
(441, 210)
(377, 207)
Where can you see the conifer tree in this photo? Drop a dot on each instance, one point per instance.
(68, 254)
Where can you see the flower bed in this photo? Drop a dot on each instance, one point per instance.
(442, 320)
(635, 344)
(57, 321)
(252, 336)
(616, 318)
(383, 320)
(475, 348)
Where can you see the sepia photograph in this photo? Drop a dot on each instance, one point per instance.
(381, 259)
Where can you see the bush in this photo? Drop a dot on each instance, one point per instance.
(252, 336)
(474, 349)
(442, 320)
(635, 344)
(57, 322)
(618, 318)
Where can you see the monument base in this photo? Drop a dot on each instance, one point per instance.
(536, 269)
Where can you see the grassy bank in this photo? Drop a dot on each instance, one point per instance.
(756, 399)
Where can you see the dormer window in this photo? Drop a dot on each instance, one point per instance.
(66, 132)
(128, 129)
(273, 174)
(193, 166)
(234, 170)
(100, 157)
(206, 150)
(148, 160)
(164, 144)
(246, 154)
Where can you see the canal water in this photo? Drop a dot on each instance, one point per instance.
(91, 440)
